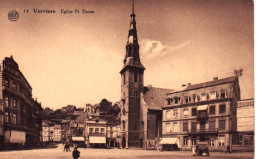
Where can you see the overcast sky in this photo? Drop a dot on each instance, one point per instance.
(76, 58)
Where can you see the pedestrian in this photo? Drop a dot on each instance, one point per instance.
(228, 149)
(75, 153)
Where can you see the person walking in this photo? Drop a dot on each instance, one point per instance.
(75, 153)
(228, 149)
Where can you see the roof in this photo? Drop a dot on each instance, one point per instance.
(155, 97)
(208, 84)
(211, 83)
(82, 118)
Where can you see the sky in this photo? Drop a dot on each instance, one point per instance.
(76, 58)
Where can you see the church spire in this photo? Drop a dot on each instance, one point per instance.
(132, 57)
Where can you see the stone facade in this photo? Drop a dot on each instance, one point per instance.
(19, 112)
(202, 112)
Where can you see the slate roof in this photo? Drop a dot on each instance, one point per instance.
(155, 97)
(211, 83)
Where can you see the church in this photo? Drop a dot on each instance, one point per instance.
(141, 120)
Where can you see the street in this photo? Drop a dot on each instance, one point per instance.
(91, 153)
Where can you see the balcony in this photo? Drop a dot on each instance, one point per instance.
(202, 115)
(203, 131)
(97, 134)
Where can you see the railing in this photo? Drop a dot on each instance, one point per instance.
(202, 131)
(202, 115)
(97, 134)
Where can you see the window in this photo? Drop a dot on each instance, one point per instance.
(202, 125)
(194, 126)
(185, 140)
(102, 130)
(14, 118)
(96, 130)
(194, 111)
(211, 141)
(168, 128)
(185, 113)
(212, 110)
(193, 140)
(176, 100)
(203, 97)
(135, 93)
(6, 83)
(222, 108)
(186, 100)
(91, 130)
(14, 86)
(223, 94)
(222, 124)
(213, 95)
(212, 125)
(175, 127)
(168, 115)
(185, 127)
(6, 117)
(175, 114)
(14, 103)
(194, 98)
(221, 140)
(135, 77)
(123, 125)
(124, 78)
(6, 101)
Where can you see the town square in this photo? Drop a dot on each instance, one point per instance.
(127, 79)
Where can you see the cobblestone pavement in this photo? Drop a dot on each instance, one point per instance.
(53, 153)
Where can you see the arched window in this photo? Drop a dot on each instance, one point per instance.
(6, 101)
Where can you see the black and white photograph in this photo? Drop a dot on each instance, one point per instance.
(119, 79)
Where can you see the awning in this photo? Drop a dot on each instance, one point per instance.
(97, 139)
(17, 136)
(78, 138)
(173, 140)
(202, 107)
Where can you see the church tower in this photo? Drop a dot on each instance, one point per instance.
(131, 87)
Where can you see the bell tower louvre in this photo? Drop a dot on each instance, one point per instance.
(131, 87)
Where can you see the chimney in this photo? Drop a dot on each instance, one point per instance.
(215, 79)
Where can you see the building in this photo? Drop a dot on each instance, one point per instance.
(96, 132)
(77, 128)
(19, 112)
(45, 131)
(57, 133)
(243, 140)
(202, 112)
(65, 127)
(141, 106)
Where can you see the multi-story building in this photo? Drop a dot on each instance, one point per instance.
(202, 112)
(19, 112)
(77, 128)
(57, 133)
(243, 140)
(96, 131)
(45, 131)
(65, 126)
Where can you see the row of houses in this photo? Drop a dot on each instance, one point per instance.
(87, 127)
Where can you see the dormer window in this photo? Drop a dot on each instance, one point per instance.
(223, 93)
(194, 98)
(176, 100)
(203, 97)
(213, 95)
(186, 99)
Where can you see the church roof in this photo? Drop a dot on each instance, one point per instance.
(155, 97)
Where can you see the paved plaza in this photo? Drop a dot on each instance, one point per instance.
(91, 153)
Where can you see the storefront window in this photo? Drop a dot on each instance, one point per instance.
(185, 140)
(221, 140)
